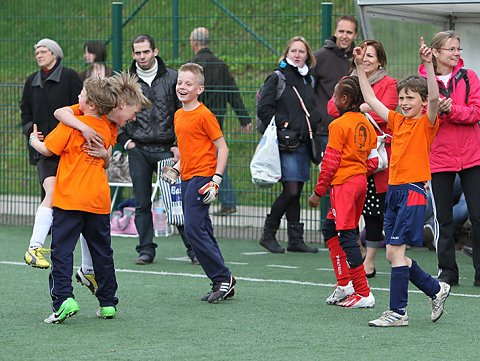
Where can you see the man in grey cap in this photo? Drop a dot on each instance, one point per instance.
(50, 88)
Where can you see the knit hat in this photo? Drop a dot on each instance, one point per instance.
(52, 46)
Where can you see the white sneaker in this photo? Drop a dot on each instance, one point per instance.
(438, 303)
(390, 318)
(357, 301)
(340, 293)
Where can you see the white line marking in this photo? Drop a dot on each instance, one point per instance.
(291, 282)
(253, 253)
(181, 259)
(281, 266)
(238, 263)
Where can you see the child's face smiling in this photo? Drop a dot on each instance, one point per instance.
(123, 114)
(411, 103)
(188, 88)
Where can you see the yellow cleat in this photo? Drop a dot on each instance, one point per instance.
(35, 258)
(87, 280)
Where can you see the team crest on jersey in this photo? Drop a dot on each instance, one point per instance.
(362, 135)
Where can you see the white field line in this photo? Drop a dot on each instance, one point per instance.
(248, 279)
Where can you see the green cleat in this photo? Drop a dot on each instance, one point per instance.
(106, 312)
(68, 308)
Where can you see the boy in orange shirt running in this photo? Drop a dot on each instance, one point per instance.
(199, 139)
(344, 168)
(405, 202)
(81, 201)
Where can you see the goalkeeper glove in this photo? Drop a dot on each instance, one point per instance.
(210, 190)
(170, 175)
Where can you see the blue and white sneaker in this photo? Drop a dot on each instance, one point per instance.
(390, 319)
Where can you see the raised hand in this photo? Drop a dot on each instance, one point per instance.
(425, 52)
(359, 54)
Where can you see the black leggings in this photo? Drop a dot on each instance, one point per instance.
(288, 202)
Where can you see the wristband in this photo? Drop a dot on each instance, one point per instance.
(217, 178)
(32, 138)
(126, 144)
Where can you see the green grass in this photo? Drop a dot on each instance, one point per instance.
(276, 314)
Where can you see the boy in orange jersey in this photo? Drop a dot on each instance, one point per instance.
(405, 202)
(199, 138)
(81, 201)
(344, 168)
(129, 94)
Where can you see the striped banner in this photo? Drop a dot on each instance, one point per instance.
(171, 196)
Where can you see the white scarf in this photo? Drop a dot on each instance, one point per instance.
(303, 70)
(147, 75)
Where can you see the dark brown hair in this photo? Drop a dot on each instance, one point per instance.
(416, 84)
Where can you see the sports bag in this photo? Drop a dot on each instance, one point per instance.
(122, 223)
(380, 152)
(265, 166)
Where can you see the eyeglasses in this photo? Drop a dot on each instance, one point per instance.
(452, 50)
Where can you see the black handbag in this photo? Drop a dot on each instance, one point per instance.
(288, 139)
(315, 146)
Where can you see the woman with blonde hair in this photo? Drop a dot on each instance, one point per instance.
(294, 70)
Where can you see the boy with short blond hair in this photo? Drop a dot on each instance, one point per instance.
(81, 200)
(413, 134)
(199, 140)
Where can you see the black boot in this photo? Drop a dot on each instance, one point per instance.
(268, 236)
(295, 239)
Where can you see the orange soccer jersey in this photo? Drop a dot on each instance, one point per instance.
(196, 130)
(81, 183)
(354, 136)
(411, 143)
(113, 127)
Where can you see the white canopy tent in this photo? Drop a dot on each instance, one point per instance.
(461, 16)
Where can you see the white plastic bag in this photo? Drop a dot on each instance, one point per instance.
(380, 152)
(265, 165)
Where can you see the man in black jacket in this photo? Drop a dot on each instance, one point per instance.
(50, 88)
(150, 138)
(220, 89)
(333, 62)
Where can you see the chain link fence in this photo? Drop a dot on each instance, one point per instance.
(248, 35)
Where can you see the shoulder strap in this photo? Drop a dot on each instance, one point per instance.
(281, 83)
(369, 117)
(307, 114)
(463, 73)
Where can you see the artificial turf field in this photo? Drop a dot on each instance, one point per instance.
(278, 312)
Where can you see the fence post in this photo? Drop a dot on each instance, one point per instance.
(117, 8)
(326, 21)
(326, 32)
(175, 28)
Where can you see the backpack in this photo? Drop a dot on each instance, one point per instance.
(280, 88)
(462, 74)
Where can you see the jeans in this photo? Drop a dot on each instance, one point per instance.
(142, 165)
(226, 194)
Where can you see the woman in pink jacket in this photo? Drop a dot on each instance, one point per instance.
(456, 149)
(385, 89)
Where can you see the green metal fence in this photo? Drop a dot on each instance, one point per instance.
(247, 35)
